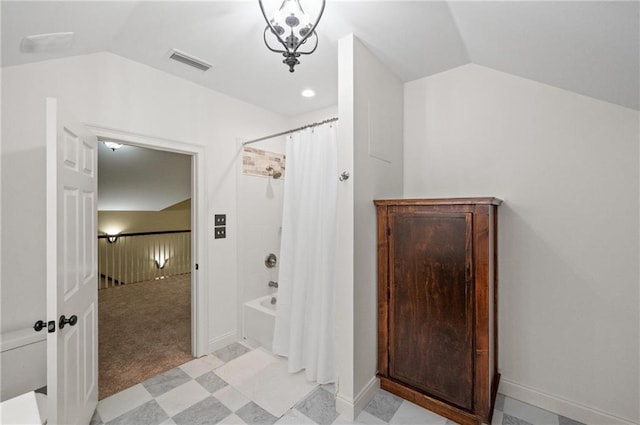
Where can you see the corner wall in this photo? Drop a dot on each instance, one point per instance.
(567, 168)
(370, 137)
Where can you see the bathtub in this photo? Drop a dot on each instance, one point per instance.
(258, 319)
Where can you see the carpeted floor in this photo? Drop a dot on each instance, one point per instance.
(144, 329)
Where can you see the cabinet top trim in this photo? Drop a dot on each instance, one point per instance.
(439, 201)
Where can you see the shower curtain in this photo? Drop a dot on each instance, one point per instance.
(304, 313)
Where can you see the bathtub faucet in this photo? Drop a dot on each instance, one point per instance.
(273, 284)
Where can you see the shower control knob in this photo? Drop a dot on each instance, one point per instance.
(71, 321)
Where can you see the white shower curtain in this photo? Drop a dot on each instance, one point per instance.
(304, 313)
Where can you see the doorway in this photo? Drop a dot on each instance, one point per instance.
(169, 284)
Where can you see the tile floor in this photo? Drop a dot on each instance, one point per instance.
(194, 394)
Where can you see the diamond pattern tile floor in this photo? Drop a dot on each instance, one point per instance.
(208, 411)
(231, 351)
(167, 381)
(384, 405)
(320, 406)
(194, 394)
(149, 413)
(253, 414)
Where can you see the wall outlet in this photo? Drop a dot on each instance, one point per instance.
(220, 220)
(220, 232)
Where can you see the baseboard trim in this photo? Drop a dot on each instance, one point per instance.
(560, 406)
(351, 409)
(222, 341)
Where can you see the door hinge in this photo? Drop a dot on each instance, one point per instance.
(197, 266)
(388, 231)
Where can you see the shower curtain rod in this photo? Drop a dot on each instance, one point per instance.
(291, 131)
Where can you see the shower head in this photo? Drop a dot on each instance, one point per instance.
(273, 173)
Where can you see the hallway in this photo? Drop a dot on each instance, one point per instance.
(144, 330)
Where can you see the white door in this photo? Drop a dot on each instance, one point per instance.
(72, 350)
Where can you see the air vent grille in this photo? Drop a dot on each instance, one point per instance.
(186, 59)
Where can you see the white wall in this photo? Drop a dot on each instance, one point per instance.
(110, 91)
(344, 331)
(312, 117)
(566, 166)
(370, 137)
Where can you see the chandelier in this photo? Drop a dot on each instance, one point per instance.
(292, 28)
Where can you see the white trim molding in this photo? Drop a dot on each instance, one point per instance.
(559, 405)
(199, 281)
(222, 341)
(351, 409)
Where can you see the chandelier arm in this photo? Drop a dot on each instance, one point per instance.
(312, 30)
(266, 43)
(314, 47)
(291, 52)
(273, 30)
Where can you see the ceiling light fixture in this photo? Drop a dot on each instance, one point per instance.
(113, 145)
(291, 28)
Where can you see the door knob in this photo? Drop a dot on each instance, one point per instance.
(41, 324)
(71, 321)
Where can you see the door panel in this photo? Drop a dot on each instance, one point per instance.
(71, 351)
(71, 268)
(88, 248)
(89, 366)
(430, 306)
(69, 236)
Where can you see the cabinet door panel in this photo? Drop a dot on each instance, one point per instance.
(430, 305)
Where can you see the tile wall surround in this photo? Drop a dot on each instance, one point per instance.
(256, 161)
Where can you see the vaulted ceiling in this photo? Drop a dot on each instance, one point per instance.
(590, 47)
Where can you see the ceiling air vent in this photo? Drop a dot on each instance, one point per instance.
(186, 59)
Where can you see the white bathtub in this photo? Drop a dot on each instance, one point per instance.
(258, 319)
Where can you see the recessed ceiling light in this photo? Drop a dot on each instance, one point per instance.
(47, 42)
(308, 93)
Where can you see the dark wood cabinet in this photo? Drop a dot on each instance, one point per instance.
(437, 304)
